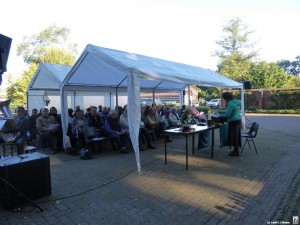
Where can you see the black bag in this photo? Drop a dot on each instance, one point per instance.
(85, 154)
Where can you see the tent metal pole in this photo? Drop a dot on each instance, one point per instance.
(117, 101)
(74, 100)
(182, 96)
(27, 100)
(153, 96)
(243, 109)
(117, 98)
(110, 99)
(189, 91)
(153, 92)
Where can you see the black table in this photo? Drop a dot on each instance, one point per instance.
(195, 129)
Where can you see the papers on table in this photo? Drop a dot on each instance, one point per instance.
(53, 126)
(97, 139)
(29, 148)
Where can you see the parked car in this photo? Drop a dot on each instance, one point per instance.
(214, 103)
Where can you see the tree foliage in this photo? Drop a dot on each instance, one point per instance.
(46, 46)
(32, 49)
(17, 88)
(236, 50)
(270, 75)
(210, 92)
(291, 67)
(57, 56)
(237, 60)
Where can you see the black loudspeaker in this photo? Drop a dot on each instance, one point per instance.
(5, 43)
(247, 84)
(29, 174)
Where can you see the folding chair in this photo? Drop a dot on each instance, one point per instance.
(91, 136)
(250, 135)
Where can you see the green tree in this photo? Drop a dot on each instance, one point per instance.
(17, 88)
(270, 75)
(210, 92)
(257, 74)
(236, 50)
(32, 49)
(46, 46)
(57, 56)
(291, 67)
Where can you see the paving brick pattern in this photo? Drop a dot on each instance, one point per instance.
(251, 189)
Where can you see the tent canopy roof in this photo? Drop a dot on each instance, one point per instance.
(107, 68)
(48, 76)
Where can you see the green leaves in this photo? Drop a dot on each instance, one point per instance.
(237, 56)
(50, 45)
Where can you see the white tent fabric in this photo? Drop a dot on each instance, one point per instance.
(51, 78)
(134, 119)
(45, 82)
(45, 85)
(107, 69)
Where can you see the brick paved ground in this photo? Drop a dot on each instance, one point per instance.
(251, 189)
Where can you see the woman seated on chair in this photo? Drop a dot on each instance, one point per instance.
(22, 126)
(173, 117)
(117, 131)
(143, 129)
(78, 125)
(153, 122)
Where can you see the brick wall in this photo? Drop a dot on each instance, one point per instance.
(276, 98)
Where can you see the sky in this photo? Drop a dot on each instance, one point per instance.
(183, 31)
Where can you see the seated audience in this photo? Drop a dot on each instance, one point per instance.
(32, 124)
(22, 126)
(100, 108)
(153, 122)
(183, 108)
(57, 117)
(48, 127)
(117, 131)
(94, 119)
(143, 129)
(173, 117)
(78, 125)
(104, 114)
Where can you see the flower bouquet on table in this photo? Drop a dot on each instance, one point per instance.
(187, 118)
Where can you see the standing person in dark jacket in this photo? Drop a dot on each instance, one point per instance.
(233, 115)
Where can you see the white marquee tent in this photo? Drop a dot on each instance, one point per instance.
(105, 69)
(45, 85)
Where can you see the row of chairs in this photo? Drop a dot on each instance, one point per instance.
(92, 137)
